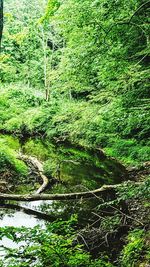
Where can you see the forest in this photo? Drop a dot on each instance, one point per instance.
(74, 133)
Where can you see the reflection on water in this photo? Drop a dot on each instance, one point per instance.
(16, 218)
(37, 205)
(62, 210)
(8, 243)
(80, 169)
(19, 219)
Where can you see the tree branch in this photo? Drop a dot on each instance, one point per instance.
(138, 9)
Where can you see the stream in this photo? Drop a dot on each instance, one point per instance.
(79, 169)
(14, 218)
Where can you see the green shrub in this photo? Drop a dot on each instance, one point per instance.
(132, 252)
(53, 246)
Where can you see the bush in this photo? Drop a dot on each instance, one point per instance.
(133, 251)
(53, 246)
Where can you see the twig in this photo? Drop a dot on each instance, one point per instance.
(138, 10)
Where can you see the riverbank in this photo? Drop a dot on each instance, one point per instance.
(79, 123)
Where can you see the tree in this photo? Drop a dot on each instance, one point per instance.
(1, 20)
(22, 43)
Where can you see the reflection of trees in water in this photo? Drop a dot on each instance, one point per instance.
(54, 210)
(63, 210)
(77, 168)
(12, 208)
(4, 211)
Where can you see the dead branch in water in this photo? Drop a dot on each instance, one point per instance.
(29, 211)
(38, 165)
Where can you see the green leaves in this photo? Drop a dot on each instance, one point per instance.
(132, 252)
(51, 8)
(54, 246)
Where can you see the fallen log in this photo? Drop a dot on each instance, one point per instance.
(100, 192)
(38, 165)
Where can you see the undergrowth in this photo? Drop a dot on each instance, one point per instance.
(77, 122)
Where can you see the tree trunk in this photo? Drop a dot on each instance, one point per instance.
(1, 20)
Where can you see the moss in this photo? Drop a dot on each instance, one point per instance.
(8, 161)
(10, 141)
(23, 189)
(36, 148)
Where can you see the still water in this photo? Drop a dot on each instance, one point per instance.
(14, 218)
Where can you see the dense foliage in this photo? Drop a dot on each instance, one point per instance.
(77, 73)
(49, 247)
(92, 60)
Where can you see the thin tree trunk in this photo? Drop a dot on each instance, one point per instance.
(1, 21)
(45, 62)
